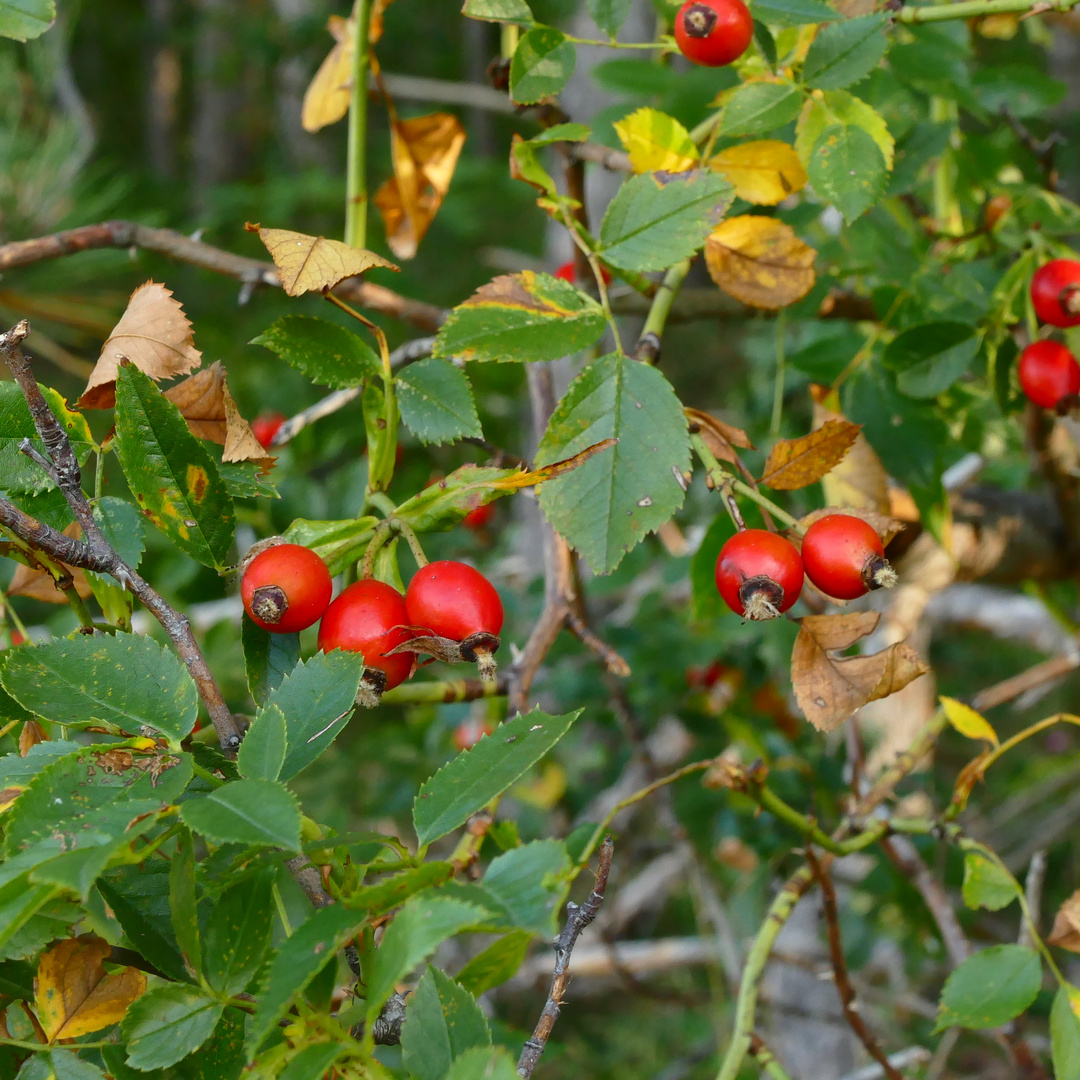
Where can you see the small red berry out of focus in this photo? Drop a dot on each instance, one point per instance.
(1055, 292)
(265, 427)
(1048, 372)
(478, 518)
(567, 273)
(469, 732)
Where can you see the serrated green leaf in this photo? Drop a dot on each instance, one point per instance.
(845, 52)
(17, 472)
(338, 543)
(66, 1066)
(26, 19)
(182, 902)
(436, 402)
(16, 770)
(123, 679)
(268, 658)
(655, 220)
(475, 777)
(930, 358)
(172, 476)
(238, 933)
(262, 753)
(525, 316)
(17, 980)
(541, 66)
(326, 353)
(483, 1063)
(844, 108)
(442, 1021)
(418, 929)
(990, 988)
(759, 108)
(312, 1061)
(255, 812)
(561, 133)
(793, 12)
(606, 506)
(510, 11)
(394, 891)
(246, 480)
(497, 963)
(609, 15)
(76, 871)
(19, 902)
(443, 504)
(168, 1023)
(847, 169)
(528, 883)
(987, 885)
(221, 1057)
(122, 525)
(1065, 1034)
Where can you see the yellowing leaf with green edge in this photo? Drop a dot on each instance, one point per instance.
(760, 261)
(313, 263)
(967, 721)
(73, 994)
(765, 171)
(656, 142)
(841, 107)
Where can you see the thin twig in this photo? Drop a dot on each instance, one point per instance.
(1033, 891)
(1037, 675)
(578, 918)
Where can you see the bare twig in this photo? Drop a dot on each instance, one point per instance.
(913, 1055)
(616, 160)
(1033, 891)
(578, 918)
(1035, 676)
(840, 969)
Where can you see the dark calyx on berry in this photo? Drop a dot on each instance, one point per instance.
(877, 573)
(761, 597)
(699, 20)
(269, 603)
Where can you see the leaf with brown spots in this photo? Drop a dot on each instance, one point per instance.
(153, 334)
(829, 688)
(797, 463)
(326, 99)
(760, 261)
(765, 171)
(1066, 931)
(39, 585)
(73, 994)
(719, 437)
(313, 263)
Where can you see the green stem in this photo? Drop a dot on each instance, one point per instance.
(649, 350)
(441, 693)
(356, 197)
(382, 502)
(99, 473)
(610, 44)
(383, 534)
(412, 540)
(766, 1059)
(283, 915)
(778, 385)
(204, 773)
(973, 9)
(946, 205)
(78, 605)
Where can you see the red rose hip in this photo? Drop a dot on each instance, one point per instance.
(369, 617)
(1048, 372)
(844, 557)
(713, 32)
(1055, 292)
(286, 588)
(479, 516)
(265, 427)
(759, 574)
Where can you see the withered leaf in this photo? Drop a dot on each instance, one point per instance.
(39, 585)
(829, 689)
(378, 18)
(154, 334)
(765, 171)
(968, 777)
(1066, 931)
(760, 261)
(797, 463)
(240, 441)
(860, 479)
(721, 438)
(313, 263)
(32, 733)
(424, 152)
(326, 99)
(73, 994)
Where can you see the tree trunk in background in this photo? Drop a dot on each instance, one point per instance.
(162, 90)
(478, 49)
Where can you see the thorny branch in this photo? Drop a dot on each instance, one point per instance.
(578, 918)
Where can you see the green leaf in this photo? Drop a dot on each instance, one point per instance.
(561, 133)
(122, 525)
(26, 19)
(655, 220)
(268, 658)
(338, 543)
(168, 1023)
(238, 933)
(76, 871)
(759, 108)
(844, 108)
(17, 980)
(847, 168)
(245, 480)
(262, 753)
(528, 883)
(317, 698)
(986, 884)
(17, 472)
(436, 402)
(1065, 1034)
(604, 507)
(182, 902)
(497, 963)
(394, 891)
(256, 812)
(312, 1061)
(66, 1066)
(442, 1021)
(474, 778)
(221, 1057)
(326, 353)
(483, 1063)
(609, 15)
(172, 476)
(524, 316)
(16, 770)
(845, 52)
(300, 958)
(510, 11)
(123, 679)
(542, 65)
(793, 12)
(930, 358)
(19, 902)
(990, 988)
(418, 929)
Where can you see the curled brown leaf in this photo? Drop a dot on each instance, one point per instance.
(1066, 931)
(797, 463)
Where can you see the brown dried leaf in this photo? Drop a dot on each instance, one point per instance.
(760, 261)
(719, 437)
(240, 441)
(154, 334)
(797, 463)
(1066, 931)
(829, 689)
(969, 776)
(32, 733)
(73, 994)
(375, 25)
(313, 263)
(326, 100)
(39, 585)
(424, 152)
(860, 479)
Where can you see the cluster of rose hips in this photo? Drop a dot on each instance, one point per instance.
(759, 574)
(287, 588)
(1048, 372)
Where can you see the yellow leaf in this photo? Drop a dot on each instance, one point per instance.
(543, 791)
(313, 263)
(765, 172)
(656, 141)
(1002, 26)
(760, 261)
(967, 721)
(326, 100)
(425, 152)
(797, 463)
(73, 994)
